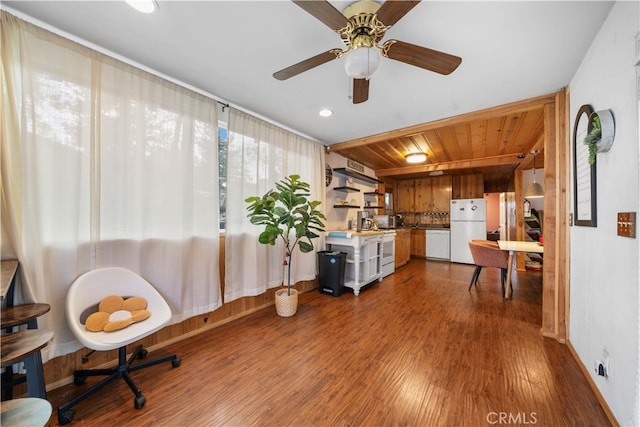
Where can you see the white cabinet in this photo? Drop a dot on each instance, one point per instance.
(364, 257)
(371, 252)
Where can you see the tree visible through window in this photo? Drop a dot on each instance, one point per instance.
(223, 141)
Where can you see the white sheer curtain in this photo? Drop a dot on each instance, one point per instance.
(104, 164)
(259, 155)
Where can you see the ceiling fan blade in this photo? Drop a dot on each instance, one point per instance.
(305, 65)
(360, 90)
(422, 57)
(392, 11)
(324, 12)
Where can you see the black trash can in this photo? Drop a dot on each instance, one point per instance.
(331, 266)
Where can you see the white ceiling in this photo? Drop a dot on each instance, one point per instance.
(510, 51)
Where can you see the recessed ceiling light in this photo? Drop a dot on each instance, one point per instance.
(325, 112)
(144, 6)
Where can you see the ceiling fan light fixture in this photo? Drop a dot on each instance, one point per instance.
(416, 157)
(362, 62)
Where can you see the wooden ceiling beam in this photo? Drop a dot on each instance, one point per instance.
(512, 108)
(505, 159)
(527, 162)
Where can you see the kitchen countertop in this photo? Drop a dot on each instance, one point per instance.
(357, 233)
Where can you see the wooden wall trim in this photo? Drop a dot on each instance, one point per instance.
(520, 227)
(555, 274)
(563, 203)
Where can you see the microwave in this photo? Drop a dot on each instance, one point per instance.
(385, 221)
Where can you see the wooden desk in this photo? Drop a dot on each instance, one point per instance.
(515, 246)
(29, 411)
(9, 268)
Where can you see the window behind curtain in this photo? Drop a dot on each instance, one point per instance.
(115, 166)
(259, 155)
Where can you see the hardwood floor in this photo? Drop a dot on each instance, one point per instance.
(417, 349)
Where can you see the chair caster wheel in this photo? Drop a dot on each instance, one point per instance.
(139, 401)
(66, 416)
(79, 380)
(176, 362)
(142, 354)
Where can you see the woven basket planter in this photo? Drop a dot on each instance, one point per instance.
(286, 305)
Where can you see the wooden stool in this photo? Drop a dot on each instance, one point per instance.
(23, 314)
(29, 411)
(25, 346)
(11, 317)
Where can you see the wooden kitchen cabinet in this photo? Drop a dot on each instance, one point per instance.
(402, 247)
(405, 193)
(441, 193)
(422, 197)
(419, 243)
(468, 186)
(433, 194)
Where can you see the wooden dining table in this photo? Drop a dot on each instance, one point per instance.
(514, 246)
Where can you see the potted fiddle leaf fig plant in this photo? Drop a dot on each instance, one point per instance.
(288, 214)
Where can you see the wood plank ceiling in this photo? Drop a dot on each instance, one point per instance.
(493, 142)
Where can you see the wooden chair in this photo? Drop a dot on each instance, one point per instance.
(487, 253)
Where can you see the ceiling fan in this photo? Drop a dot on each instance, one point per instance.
(361, 27)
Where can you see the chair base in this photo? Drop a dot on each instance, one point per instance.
(476, 276)
(65, 413)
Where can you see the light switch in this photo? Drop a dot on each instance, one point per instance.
(627, 224)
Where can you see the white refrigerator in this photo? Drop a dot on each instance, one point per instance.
(468, 219)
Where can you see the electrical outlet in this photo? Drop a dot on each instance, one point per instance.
(601, 368)
(627, 224)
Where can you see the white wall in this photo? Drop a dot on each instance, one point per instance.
(337, 219)
(604, 287)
